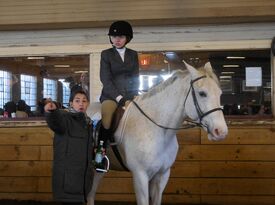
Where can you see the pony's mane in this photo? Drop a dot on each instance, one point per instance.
(178, 74)
(161, 86)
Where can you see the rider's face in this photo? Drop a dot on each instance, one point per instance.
(118, 41)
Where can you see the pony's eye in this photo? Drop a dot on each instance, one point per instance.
(202, 94)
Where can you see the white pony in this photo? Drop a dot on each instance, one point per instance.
(147, 147)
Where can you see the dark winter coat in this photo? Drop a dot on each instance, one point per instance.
(72, 163)
(118, 77)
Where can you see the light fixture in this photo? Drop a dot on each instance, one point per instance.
(223, 80)
(81, 71)
(225, 76)
(231, 66)
(35, 57)
(62, 66)
(235, 57)
(144, 61)
(227, 72)
(170, 54)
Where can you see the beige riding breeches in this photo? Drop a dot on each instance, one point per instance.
(108, 108)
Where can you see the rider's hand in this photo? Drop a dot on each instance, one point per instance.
(50, 106)
(122, 102)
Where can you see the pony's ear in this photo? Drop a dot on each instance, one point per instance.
(208, 67)
(193, 71)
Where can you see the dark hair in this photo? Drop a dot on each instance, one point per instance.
(10, 107)
(73, 94)
(21, 105)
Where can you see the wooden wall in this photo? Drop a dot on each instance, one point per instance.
(238, 170)
(32, 14)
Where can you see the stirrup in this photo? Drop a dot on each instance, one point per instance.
(106, 169)
(101, 170)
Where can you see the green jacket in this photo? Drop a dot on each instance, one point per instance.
(72, 161)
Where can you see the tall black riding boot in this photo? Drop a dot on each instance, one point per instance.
(104, 136)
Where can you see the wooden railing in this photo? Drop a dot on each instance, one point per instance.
(238, 170)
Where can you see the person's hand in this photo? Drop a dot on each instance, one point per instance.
(50, 106)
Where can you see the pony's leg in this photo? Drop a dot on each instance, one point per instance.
(156, 187)
(91, 195)
(141, 188)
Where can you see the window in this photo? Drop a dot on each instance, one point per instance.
(245, 76)
(50, 89)
(5, 87)
(148, 81)
(28, 84)
(66, 94)
(36, 77)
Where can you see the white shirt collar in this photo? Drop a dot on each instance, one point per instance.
(121, 52)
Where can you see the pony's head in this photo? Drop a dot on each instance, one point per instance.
(202, 103)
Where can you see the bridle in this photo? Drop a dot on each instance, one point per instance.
(200, 113)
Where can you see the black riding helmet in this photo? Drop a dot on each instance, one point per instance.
(121, 28)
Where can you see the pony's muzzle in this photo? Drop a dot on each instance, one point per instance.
(218, 134)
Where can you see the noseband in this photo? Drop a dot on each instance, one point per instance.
(200, 113)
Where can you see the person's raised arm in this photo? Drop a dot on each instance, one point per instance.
(54, 118)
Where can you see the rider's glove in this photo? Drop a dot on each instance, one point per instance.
(122, 102)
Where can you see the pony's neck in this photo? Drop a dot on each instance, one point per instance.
(166, 107)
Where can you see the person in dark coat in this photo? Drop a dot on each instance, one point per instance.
(22, 109)
(10, 107)
(119, 74)
(73, 150)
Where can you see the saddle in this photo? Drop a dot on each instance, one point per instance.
(116, 119)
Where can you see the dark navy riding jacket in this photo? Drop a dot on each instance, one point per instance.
(118, 77)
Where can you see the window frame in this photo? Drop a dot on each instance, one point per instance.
(50, 88)
(6, 85)
(32, 100)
